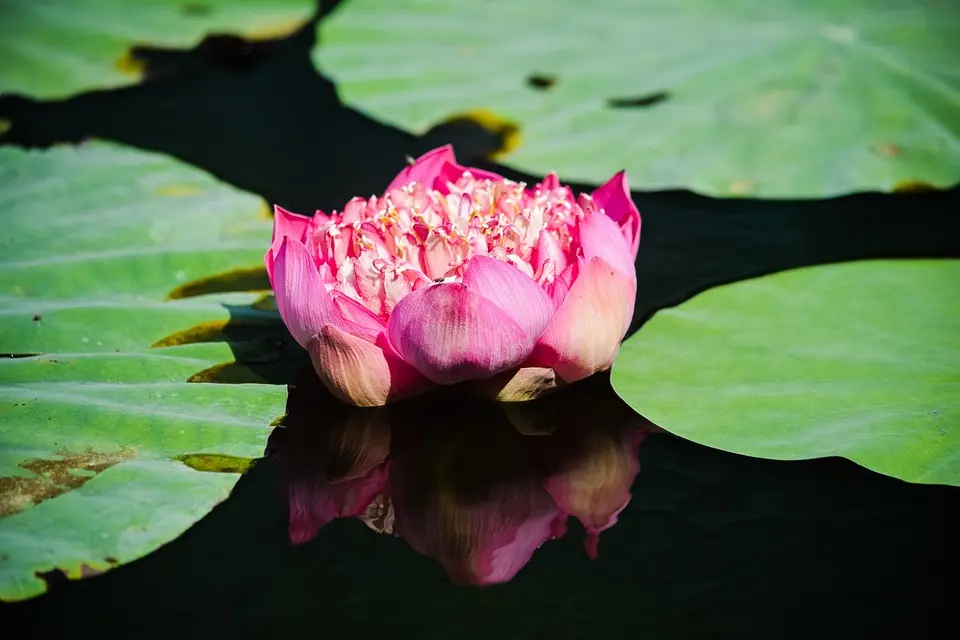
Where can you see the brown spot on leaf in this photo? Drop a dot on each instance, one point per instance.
(740, 187)
(177, 190)
(888, 150)
(913, 186)
(54, 477)
(233, 330)
(211, 331)
(196, 9)
(130, 64)
(639, 102)
(541, 81)
(228, 373)
(275, 31)
(243, 279)
(216, 463)
(266, 302)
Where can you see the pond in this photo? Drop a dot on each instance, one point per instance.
(172, 465)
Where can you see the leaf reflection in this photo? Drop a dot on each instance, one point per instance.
(478, 486)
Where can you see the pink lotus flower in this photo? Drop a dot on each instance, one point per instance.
(457, 275)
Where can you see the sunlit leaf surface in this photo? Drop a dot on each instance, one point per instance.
(106, 450)
(753, 97)
(856, 360)
(56, 48)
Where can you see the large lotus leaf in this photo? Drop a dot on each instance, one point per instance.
(772, 97)
(858, 360)
(56, 48)
(106, 451)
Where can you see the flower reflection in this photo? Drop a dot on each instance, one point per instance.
(478, 486)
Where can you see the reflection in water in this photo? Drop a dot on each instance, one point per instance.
(478, 486)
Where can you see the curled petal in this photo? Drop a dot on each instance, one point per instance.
(302, 298)
(548, 248)
(584, 335)
(424, 169)
(512, 291)
(600, 237)
(614, 197)
(285, 223)
(361, 373)
(451, 334)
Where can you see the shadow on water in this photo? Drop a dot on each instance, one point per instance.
(710, 545)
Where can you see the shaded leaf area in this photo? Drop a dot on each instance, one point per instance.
(857, 360)
(767, 97)
(104, 440)
(58, 48)
(278, 129)
(711, 544)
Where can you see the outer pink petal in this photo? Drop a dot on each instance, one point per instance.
(425, 169)
(451, 334)
(584, 335)
(361, 373)
(614, 197)
(285, 223)
(601, 238)
(302, 299)
(358, 319)
(512, 291)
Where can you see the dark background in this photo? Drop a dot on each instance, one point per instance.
(712, 545)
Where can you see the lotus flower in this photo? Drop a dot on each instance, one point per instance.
(457, 275)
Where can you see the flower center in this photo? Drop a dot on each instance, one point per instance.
(378, 250)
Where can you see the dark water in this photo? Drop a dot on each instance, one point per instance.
(711, 544)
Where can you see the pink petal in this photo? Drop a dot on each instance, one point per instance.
(550, 182)
(600, 237)
(512, 291)
(451, 334)
(548, 247)
(302, 299)
(451, 172)
(561, 285)
(614, 197)
(425, 169)
(285, 223)
(584, 335)
(361, 373)
(357, 319)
